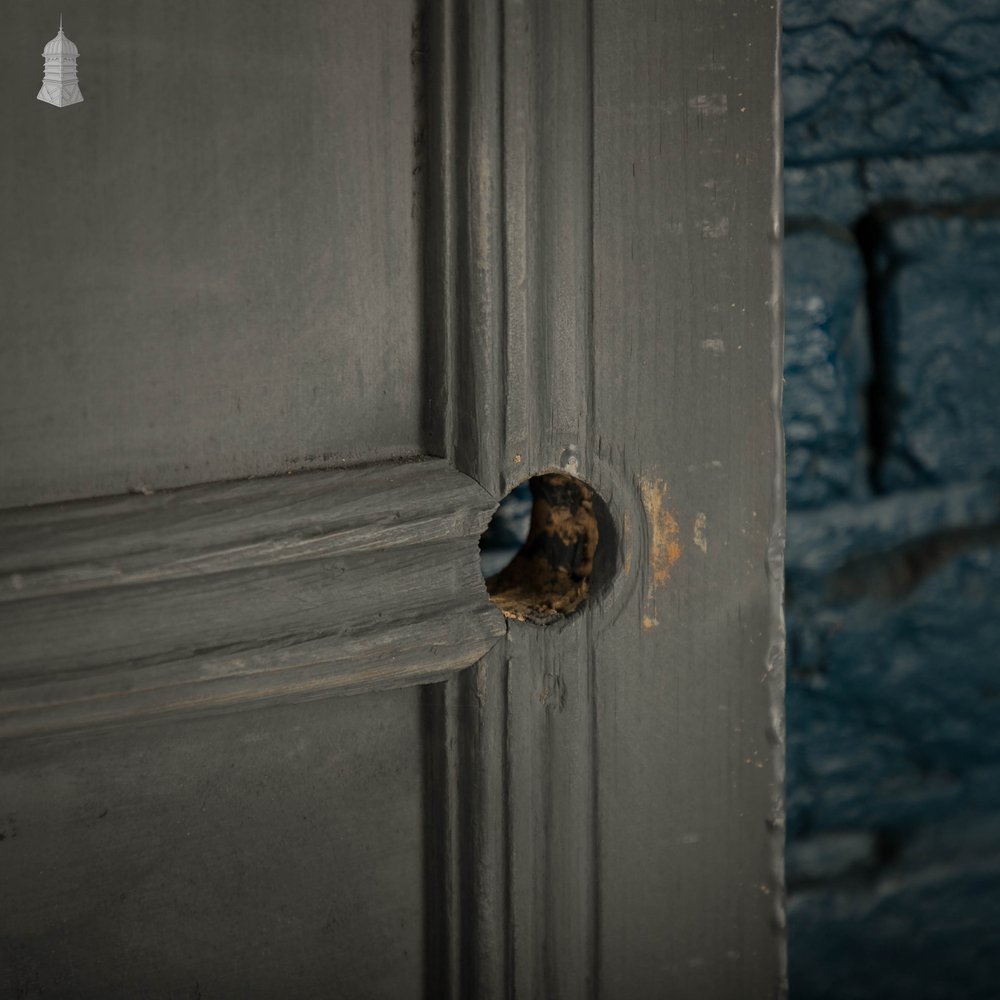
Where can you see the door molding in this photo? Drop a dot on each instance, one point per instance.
(234, 594)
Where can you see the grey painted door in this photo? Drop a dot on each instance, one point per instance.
(292, 298)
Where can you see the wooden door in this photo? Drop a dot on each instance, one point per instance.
(289, 302)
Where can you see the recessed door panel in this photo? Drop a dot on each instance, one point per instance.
(209, 265)
(270, 853)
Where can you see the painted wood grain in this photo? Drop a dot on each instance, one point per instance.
(624, 326)
(211, 269)
(263, 854)
(234, 593)
(687, 340)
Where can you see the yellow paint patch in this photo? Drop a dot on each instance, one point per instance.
(665, 543)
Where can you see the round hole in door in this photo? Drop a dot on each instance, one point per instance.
(548, 548)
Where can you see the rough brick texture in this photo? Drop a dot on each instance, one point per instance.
(892, 417)
(874, 77)
(939, 299)
(826, 366)
(922, 924)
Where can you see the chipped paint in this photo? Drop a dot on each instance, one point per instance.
(715, 229)
(553, 692)
(665, 545)
(700, 538)
(709, 105)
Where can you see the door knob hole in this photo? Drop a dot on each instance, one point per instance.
(548, 548)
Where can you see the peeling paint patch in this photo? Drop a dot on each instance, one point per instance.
(715, 229)
(665, 544)
(553, 693)
(700, 538)
(715, 345)
(711, 105)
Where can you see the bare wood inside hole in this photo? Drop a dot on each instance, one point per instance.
(550, 577)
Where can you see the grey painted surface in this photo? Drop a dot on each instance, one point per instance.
(210, 265)
(264, 854)
(626, 838)
(230, 594)
(687, 331)
(599, 294)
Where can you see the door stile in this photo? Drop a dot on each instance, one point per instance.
(548, 169)
(468, 935)
(618, 318)
(522, 371)
(687, 331)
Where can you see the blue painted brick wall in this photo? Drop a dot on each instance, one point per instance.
(892, 416)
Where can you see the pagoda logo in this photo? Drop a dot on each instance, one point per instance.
(60, 86)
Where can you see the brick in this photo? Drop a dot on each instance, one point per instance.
(942, 180)
(924, 928)
(845, 773)
(894, 692)
(865, 79)
(826, 367)
(830, 191)
(830, 856)
(940, 319)
(822, 541)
